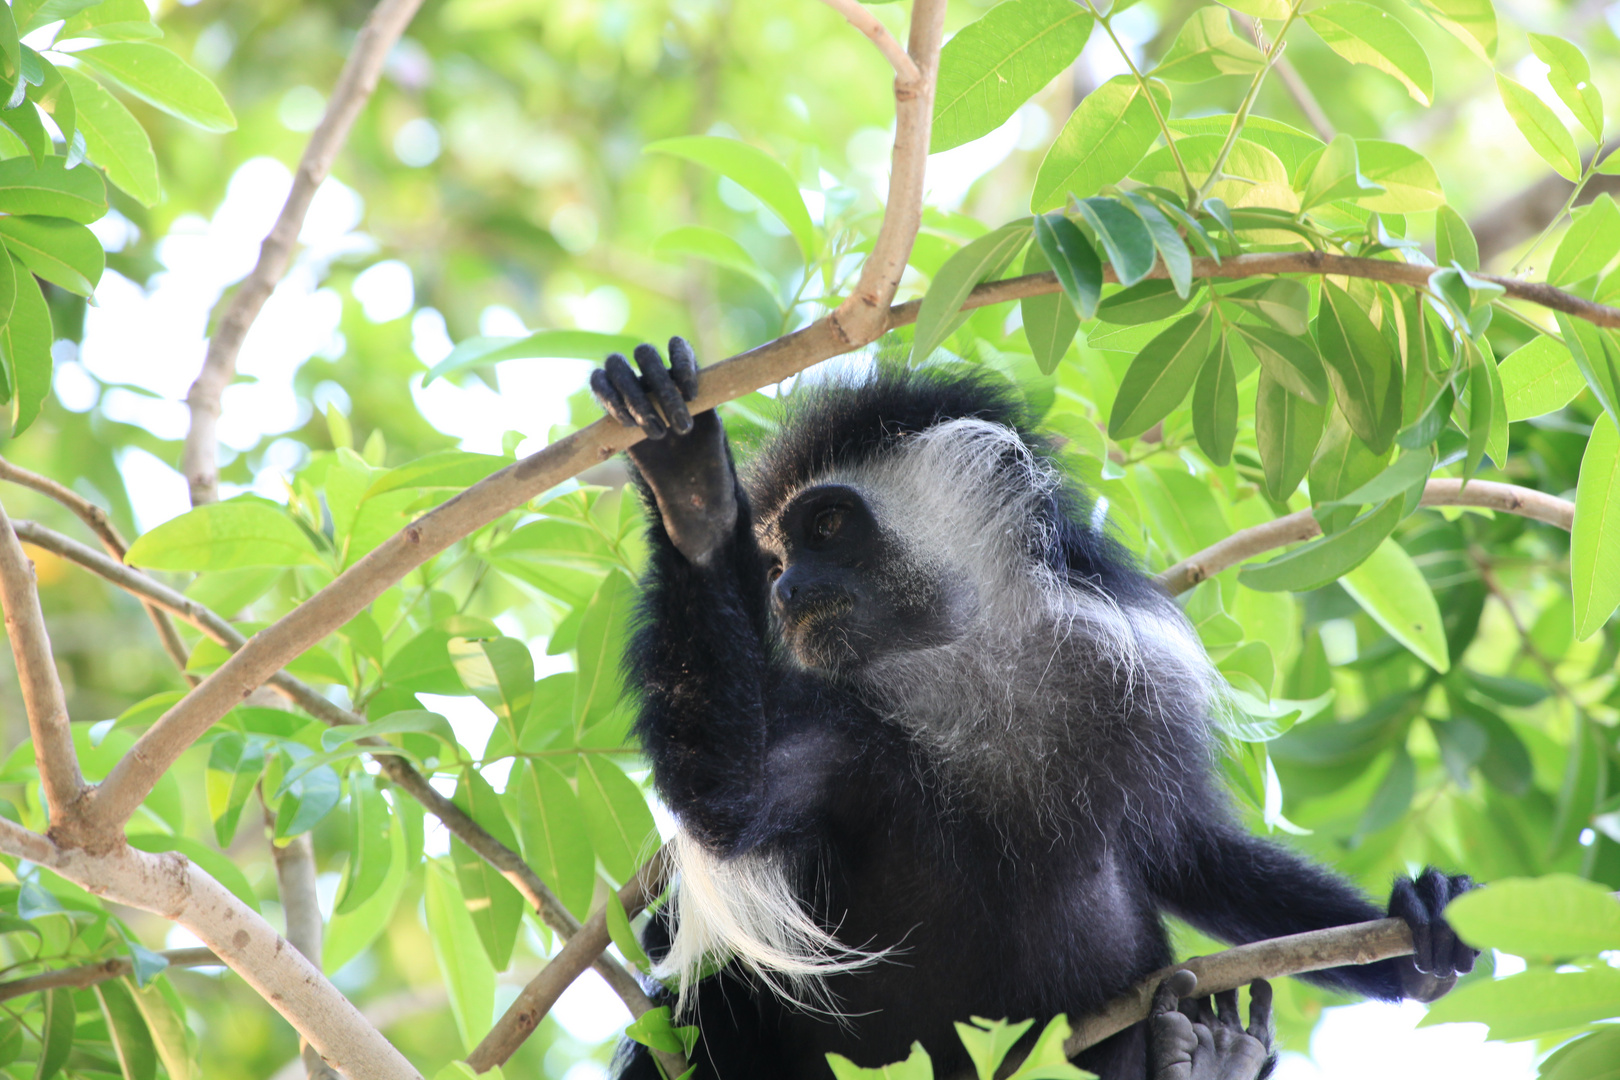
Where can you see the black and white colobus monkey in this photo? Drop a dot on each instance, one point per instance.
(936, 747)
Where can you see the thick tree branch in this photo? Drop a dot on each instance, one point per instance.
(1301, 525)
(200, 459)
(537, 998)
(78, 978)
(172, 886)
(464, 828)
(60, 780)
(862, 19)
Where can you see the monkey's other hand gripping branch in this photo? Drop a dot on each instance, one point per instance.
(684, 459)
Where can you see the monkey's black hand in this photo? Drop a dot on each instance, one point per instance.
(1439, 955)
(684, 459)
(1188, 1040)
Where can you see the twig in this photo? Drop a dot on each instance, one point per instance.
(1525, 213)
(862, 19)
(863, 316)
(1292, 528)
(537, 998)
(171, 886)
(275, 646)
(508, 862)
(199, 461)
(1159, 118)
(117, 967)
(1292, 81)
(1241, 117)
(60, 780)
(295, 885)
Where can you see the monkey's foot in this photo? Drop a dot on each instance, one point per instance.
(1188, 1039)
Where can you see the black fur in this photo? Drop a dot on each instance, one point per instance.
(989, 912)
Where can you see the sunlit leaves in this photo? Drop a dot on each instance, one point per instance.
(1364, 34)
(1571, 79)
(1473, 22)
(552, 829)
(160, 78)
(1540, 127)
(753, 170)
(59, 250)
(240, 532)
(1595, 539)
(1337, 176)
(991, 67)
(1539, 1000)
(1409, 179)
(468, 974)
(1552, 918)
(1102, 140)
(1454, 241)
(113, 138)
(1315, 564)
(51, 189)
(1590, 244)
(1207, 48)
(1539, 378)
(1390, 588)
(616, 816)
(984, 259)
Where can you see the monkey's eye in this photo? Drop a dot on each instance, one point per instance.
(827, 523)
(773, 573)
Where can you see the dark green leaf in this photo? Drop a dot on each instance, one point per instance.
(984, 259)
(1073, 261)
(1171, 248)
(1123, 235)
(1147, 302)
(1160, 376)
(1292, 361)
(1215, 405)
(1325, 559)
(1360, 366)
(1050, 321)
(1287, 429)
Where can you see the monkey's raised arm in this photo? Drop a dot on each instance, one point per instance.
(735, 753)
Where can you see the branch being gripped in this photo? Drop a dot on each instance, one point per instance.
(172, 886)
(863, 316)
(85, 975)
(60, 781)
(862, 19)
(506, 861)
(199, 461)
(1301, 525)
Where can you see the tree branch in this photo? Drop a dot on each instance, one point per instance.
(295, 885)
(60, 780)
(537, 998)
(171, 886)
(862, 19)
(1292, 81)
(199, 461)
(1522, 215)
(117, 967)
(1301, 525)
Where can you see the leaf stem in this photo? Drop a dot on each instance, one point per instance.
(1580, 184)
(1242, 115)
(1147, 92)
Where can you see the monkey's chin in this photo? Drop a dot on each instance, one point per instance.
(820, 645)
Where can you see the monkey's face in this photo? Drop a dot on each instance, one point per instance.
(845, 591)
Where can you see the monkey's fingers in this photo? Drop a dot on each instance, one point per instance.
(1172, 990)
(655, 377)
(1260, 1011)
(624, 383)
(1206, 1012)
(609, 399)
(1408, 903)
(683, 367)
(1226, 1003)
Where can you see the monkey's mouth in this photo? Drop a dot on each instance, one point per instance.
(817, 631)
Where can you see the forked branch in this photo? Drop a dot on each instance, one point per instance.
(863, 19)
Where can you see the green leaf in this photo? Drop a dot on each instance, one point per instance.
(126, 1029)
(1206, 48)
(1102, 141)
(165, 1017)
(1046, 1060)
(1590, 244)
(57, 1027)
(1454, 241)
(1325, 559)
(1541, 128)
(1409, 179)
(1532, 1003)
(1596, 1056)
(443, 469)
(654, 1028)
(1215, 405)
(1169, 244)
(546, 344)
(51, 189)
(423, 665)
(11, 77)
(753, 170)
(1337, 175)
(305, 801)
(1364, 34)
(1472, 22)
(1143, 303)
(62, 252)
(616, 817)
(1410, 471)
(1550, 918)
(988, 1042)
(618, 921)
(26, 125)
(1160, 376)
(494, 904)
(1123, 235)
(1597, 354)
(1595, 539)
(1287, 429)
(113, 138)
(918, 1066)
(500, 673)
(1073, 260)
(371, 847)
(1571, 79)
(1282, 302)
(234, 766)
(1292, 361)
(1050, 321)
(1390, 588)
(1261, 9)
(347, 936)
(25, 347)
(603, 631)
(54, 97)
(984, 259)
(1539, 378)
(33, 14)
(711, 245)
(468, 976)
(1360, 366)
(992, 66)
(555, 842)
(162, 80)
(244, 531)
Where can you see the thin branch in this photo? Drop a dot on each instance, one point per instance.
(863, 316)
(77, 978)
(1159, 118)
(862, 19)
(537, 998)
(172, 886)
(1525, 213)
(300, 906)
(275, 646)
(1292, 81)
(60, 780)
(1301, 525)
(200, 459)
(1241, 117)
(508, 862)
